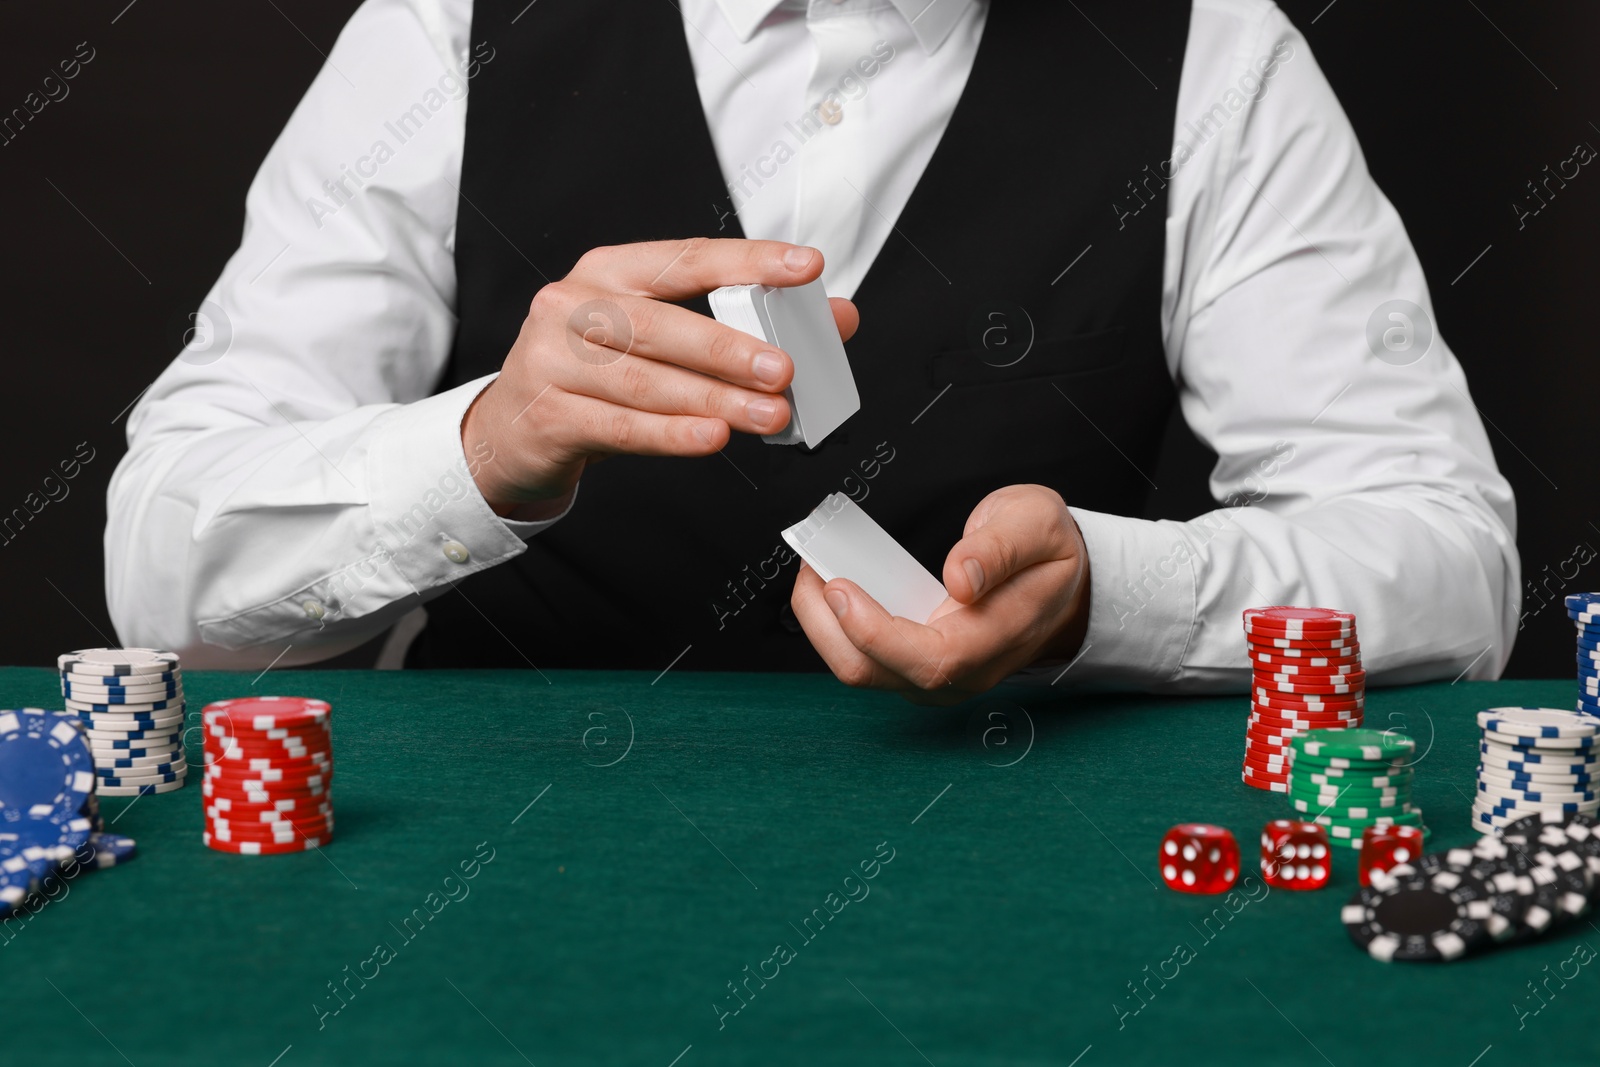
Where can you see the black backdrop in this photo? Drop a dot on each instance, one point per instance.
(123, 199)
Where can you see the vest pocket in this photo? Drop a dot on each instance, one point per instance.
(1081, 354)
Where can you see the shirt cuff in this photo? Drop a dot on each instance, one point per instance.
(426, 509)
(1141, 603)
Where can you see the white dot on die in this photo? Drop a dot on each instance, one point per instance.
(1228, 874)
(1170, 848)
(1266, 842)
(1188, 878)
(1302, 871)
(1304, 850)
(1319, 850)
(1214, 855)
(1402, 855)
(1319, 872)
(1169, 872)
(1287, 851)
(1190, 852)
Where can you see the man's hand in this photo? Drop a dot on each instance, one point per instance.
(603, 366)
(1019, 592)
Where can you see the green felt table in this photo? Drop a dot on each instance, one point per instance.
(634, 846)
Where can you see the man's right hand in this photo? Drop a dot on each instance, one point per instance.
(604, 366)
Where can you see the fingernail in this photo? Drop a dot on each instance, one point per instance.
(761, 411)
(769, 368)
(974, 571)
(797, 258)
(837, 601)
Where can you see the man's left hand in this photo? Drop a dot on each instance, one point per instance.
(1018, 584)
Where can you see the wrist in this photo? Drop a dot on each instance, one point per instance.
(505, 497)
(1069, 636)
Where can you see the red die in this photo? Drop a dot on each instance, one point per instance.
(1294, 854)
(1383, 847)
(1199, 858)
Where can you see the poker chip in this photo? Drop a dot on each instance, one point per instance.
(1584, 610)
(49, 808)
(260, 848)
(1556, 832)
(1533, 761)
(118, 661)
(1306, 620)
(1306, 674)
(46, 767)
(1537, 722)
(1420, 917)
(1367, 745)
(127, 701)
(1351, 780)
(140, 790)
(1310, 702)
(16, 877)
(268, 775)
(142, 694)
(108, 850)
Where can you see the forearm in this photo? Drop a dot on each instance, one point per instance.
(1432, 576)
(232, 542)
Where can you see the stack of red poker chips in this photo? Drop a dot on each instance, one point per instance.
(268, 779)
(1306, 675)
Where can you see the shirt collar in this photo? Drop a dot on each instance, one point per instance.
(931, 20)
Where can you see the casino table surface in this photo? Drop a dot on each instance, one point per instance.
(639, 849)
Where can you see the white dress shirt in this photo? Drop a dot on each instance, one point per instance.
(269, 466)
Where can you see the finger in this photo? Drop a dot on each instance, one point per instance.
(646, 385)
(606, 323)
(678, 270)
(900, 647)
(845, 316)
(599, 426)
(1009, 532)
(846, 661)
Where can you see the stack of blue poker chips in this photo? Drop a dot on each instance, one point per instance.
(49, 814)
(1535, 760)
(130, 702)
(1584, 610)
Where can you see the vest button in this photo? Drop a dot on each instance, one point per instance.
(312, 609)
(831, 112)
(456, 552)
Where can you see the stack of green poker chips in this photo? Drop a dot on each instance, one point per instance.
(1348, 780)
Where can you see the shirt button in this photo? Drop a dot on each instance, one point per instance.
(456, 552)
(831, 112)
(313, 609)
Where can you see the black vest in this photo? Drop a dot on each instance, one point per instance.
(586, 129)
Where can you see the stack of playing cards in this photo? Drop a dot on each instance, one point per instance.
(797, 320)
(840, 540)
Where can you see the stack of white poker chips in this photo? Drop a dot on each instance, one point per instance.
(130, 704)
(1534, 760)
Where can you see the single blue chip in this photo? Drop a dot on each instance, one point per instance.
(46, 767)
(108, 850)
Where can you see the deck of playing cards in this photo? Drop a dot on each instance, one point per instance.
(797, 319)
(840, 540)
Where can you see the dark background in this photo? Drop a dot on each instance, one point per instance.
(124, 200)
